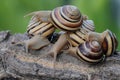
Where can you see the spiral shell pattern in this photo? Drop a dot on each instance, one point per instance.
(90, 52)
(36, 27)
(66, 18)
(80, 36)
(110, 43)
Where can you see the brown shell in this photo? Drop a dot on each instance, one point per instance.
(36, 27)
(110, 43)
(66, 18)
(90, 52)
(87, 26)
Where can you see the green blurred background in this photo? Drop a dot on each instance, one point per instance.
(104, 13)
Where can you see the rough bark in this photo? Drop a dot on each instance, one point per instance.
(15, 64)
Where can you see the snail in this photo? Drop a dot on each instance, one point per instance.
(65, 18)
(89, 51)
(39, 33)
(110, 43)
(80, 35)
(87, 26)
(97, 47)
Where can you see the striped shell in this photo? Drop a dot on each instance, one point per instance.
(90, 52)
(36, 27)
(66, 18)
(110, 43)
(87, 26)
(80, 36)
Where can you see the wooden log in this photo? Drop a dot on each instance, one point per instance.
(15, 64)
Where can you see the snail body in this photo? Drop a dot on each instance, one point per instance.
(36, 42)
(80, 35)
(56, 48)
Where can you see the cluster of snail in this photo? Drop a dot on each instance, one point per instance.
(77, 34)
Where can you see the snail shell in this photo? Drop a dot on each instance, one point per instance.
(79, 36)
(110, 43)
(36, 27)
(66, 18)
(87, 26)
(90, 51)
